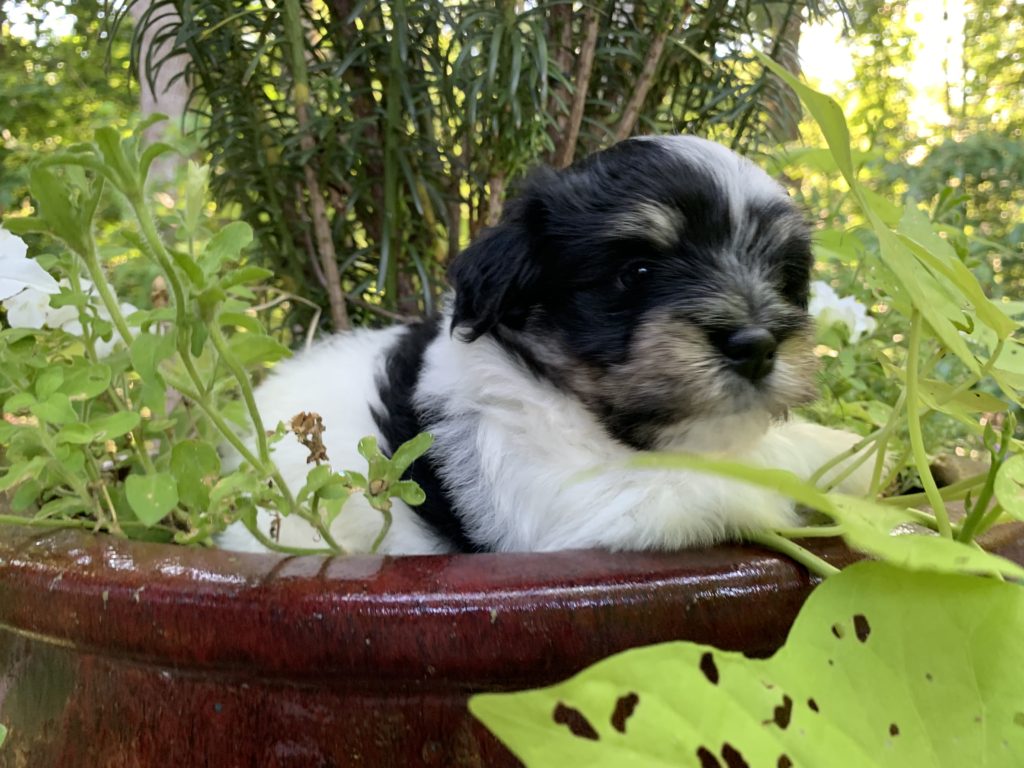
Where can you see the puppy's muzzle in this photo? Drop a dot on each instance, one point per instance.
(749, 351)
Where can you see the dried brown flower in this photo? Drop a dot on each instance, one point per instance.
(309, 428)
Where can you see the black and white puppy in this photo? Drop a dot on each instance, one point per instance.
(653, 296)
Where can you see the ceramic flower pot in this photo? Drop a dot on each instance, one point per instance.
(119, 654)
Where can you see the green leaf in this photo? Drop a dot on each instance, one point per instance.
(251, 348)
(111, 147)
(408, 452)
(208, 301)
(409, 492)
(56, 409)
(103, 428)
(247, 274)
(23, 470)
(933, 392)
(315, 480)
(85, 380)
(19, 402)
(200, 333)
(826, 112)
(115, 424)
(151, 153)
(63, 507)
(1009, 486)
(49, 381)
(939, 256)
(53, 196)
(197, 467)
(26, 495)
(188, 265)
(225, 246)
(196, 182)
(885, 668)
(151, 497)
(241, 320)
(76, 434)
(868, 527)
(147, 352)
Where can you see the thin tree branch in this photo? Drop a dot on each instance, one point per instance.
(378, 309)
(560, 42)
(566, 148)
(318, 211)
(631, 113)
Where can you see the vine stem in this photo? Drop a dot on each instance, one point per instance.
(386, 512)
(274, 546)
(92, 265)
(805, 557)
(916, 435)
(245, 385)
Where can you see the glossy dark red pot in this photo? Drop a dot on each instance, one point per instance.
(116, 654)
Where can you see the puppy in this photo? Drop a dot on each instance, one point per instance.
(652, 297)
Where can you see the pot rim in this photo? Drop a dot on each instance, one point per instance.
(467, 620)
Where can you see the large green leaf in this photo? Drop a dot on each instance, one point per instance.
(883, 667)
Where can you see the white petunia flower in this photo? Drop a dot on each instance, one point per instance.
(17, 272)
(28, 309)
(31, 309)
(829, 308)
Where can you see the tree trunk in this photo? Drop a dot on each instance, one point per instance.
(168, 93)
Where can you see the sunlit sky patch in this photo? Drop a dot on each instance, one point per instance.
(937, 26)
(57, 22)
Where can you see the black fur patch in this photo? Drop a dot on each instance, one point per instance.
(399, 421)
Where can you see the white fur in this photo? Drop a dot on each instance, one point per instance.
(528, 466)
(336, 378)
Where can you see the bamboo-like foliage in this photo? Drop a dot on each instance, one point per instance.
(400, 126)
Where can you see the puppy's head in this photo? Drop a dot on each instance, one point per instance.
(664, 282)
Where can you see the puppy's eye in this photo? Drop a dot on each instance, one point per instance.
(637, 274)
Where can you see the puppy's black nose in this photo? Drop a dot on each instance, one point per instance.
(751, 352)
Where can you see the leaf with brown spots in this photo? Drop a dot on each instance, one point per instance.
(920, 649)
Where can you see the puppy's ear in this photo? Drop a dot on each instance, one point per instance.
(497, 278)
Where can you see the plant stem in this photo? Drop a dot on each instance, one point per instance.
(978, 511)
(793, 550)
(270, 544)
(92, 264)
(914, 427)
(385, 510)
(811, 532)
(950, 493)
(245, 385)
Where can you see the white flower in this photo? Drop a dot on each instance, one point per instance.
(830, 309)
(31, 309)
(17, 272)
(28, 309)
